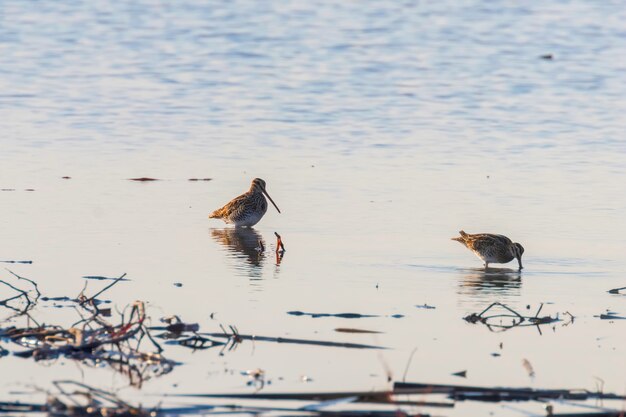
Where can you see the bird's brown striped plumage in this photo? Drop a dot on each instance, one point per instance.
(492, 248)
(247, 209)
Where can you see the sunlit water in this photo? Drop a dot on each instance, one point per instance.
(381, 130)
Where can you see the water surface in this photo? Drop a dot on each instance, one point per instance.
(381, 130)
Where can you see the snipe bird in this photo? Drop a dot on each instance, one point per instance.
(492, 248)
(247, 209)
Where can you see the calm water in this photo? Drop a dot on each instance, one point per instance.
(381, 130)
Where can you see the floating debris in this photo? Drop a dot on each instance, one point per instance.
(72, 301)
(59, 299)
(610, 315)
(426, 307)
(200, 179)
(548, 57)
(495, 322)
(143, 179)
(461, 374)
(256, 378)
(75, 399)
(101, 278)
(332, 398)
(196, 342)
(616, 290)
(176, 325)
(498, 394)
(350, 330)
(105, 312)
(17, 262)
(339, 315)
(91, 341)
(280, 247)
(528, 367)
(235, 338)
(21, 297)
(188, 335)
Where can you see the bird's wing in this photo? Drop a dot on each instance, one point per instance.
(484, 240)
(233, 207)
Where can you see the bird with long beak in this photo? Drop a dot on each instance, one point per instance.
(492, 248)
(247, 209)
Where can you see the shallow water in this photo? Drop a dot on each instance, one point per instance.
(381, 130)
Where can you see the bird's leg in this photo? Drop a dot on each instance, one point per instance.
(486, 265)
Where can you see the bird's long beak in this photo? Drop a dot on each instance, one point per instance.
(268, 196)
(519, 261)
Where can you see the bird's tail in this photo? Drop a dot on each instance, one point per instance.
(460, 238)
(217, 214)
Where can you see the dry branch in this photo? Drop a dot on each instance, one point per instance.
(497, 394)
(495, 321)
(370, 397)
(616, 290)
(236, 337)
(92, 340)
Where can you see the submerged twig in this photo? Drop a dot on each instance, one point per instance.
(29, 280)
(21, 294)
(408, 363)
(616, 290)
(236, 337)
(92, 340)
(518, 319)
(339, 315)
(497, 394)
(93, 297)
(353, 330)
(610, 315)
(371, 397)
(280, 247)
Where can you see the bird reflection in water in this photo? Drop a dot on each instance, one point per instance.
(501, 281)
(245, 245)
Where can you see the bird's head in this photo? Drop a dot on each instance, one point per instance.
(518, 251)
(258, 186)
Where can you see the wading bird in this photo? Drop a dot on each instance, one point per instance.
(247, 209)
(492, 248)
